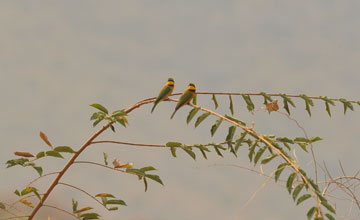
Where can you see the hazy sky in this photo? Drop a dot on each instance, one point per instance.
(57, 57)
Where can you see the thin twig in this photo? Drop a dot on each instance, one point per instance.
(62, 210)
(41, 177)
(81, 190)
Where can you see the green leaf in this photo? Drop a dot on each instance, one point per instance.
(303, 146)
(28, 190)
(249, 104)
(308, 103)
(328, 206)
(203, 153)
(2, 206)
(286, 100)
(52, 153)
(252, 149)
(235, 120)
(40, 154)
(311, 213)
(97, 115)
(189, 151)
(201, 118)
(297, 190)
(279, 170)
(114, 208)
(115, 202)
(120, 120)
(290, 181)
(191, 114)
(201, 147)
(20, 161)
(65, 149)
(215, 126)
(231, 105)
(285, 140)
(156, 178)
(314, 139)
(347, 105)
(148, 168)
(39, 170)
(314, 186)
(90, 215)
(112, 128)
(138, 172)
(266, 97)
(217, 147)
(215, 101)
(231, 133)
(120, 112)
(259, 154)
(327, 101)
(145, 184)
(240, 140)
(97, 121)
(303, 198)
(105, 158)
(173, 144)
(100, 107)
(173, 151)
(17, 193)
(268, 158)
(330, 217)
(74, 205)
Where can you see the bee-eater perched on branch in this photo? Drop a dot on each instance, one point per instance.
(164, 92)
(185, 98)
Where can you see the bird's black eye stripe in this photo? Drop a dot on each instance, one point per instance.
(171, 85)
(192, 90)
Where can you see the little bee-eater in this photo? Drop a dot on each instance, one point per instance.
(164, 92)
(185, 98)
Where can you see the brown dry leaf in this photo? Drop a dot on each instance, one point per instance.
(26, 202)
(127, 165)
(116, 163)
(272, 106)
(83, 209)
(45, 138)
(23, 154)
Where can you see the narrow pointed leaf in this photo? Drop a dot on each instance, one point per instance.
(52, 153)
(330, 217)
(308, 103)
(105, 158)
(311, 213)
(201, 118)
(83, 209)
(17, 193)
(285, 140)
(252, 150)
(100, 107)
(268, 158)
(115, 202)
(145, 184)
(97, 121)
(26, 202)
(215, 101)
(303, 146)
(113, 208)
(112, 128)
(235, 120)
(303, 198)
(314, 139)
(347, 105)
(173, 144)
(249, 104)
(240, 140)
(215, 126)
(286, 100)
(327, 101)
(267, 98)
(156, 178)
(39, 170)
(148, 168)
(105, 195)
(40, 155)
(259, 154)
(2, 206)
(119, 112)
(90, 215)
(297, 190)
(290, 181)
(191, 114)
(189, 151)
(328, 206)
(231, 107)
(74, 205)
(65, 149)
(231, 133)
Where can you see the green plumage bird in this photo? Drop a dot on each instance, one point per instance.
(185, 98)
(164, 92)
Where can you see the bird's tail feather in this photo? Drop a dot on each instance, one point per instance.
(153, 108)
(173, 114)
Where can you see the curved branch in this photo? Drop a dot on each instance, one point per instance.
(81, 190)
(62, 210)
(48, 174)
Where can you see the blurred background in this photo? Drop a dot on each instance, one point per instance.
(57, 57)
